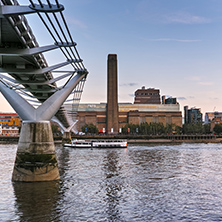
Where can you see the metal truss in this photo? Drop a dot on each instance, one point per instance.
(23, 66)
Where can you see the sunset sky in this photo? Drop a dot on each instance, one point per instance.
(171, 45)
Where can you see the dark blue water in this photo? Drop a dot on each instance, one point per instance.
(141, 183)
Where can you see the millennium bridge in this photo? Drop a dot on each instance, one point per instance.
(37, 91)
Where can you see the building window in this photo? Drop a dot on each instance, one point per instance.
(168, 120)
(155, 119)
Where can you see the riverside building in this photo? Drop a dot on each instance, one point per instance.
(147, 96)
(192, 115)
(213, 118)
(210, 116)
(9, 124)
(110, 117)
(10, 119)
(129, 113)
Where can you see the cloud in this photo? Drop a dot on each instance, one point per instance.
(76, 22)
(128, 84)
(174, 40)
(214, 98)
(131, 95)
(199, 81)
(206, 83)
(161, 12)
(185, 18)
(194, 78)
(181, 98)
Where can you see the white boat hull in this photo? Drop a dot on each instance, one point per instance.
(109, 144)
(97, 144)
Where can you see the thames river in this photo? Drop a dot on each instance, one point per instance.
(141, 183)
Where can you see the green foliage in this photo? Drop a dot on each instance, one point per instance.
(90, 128)
(55, 128)
(198, 128)
(207, 128)
(218, 128)
(159, 129)
(150, 129)
(178, 129)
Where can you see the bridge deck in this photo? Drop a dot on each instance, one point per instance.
(29, 71)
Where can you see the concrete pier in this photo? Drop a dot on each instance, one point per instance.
(36, 158)
(66, 137)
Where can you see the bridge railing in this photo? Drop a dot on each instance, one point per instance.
(38, 83)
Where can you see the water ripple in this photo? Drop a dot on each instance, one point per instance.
(141, 183)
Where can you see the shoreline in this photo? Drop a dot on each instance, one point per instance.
(134, 140)
(168, 141)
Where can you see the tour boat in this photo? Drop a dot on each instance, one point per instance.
(78, 144)
(109, 143)
(106, 143)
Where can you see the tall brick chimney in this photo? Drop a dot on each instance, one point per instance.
(112, 95)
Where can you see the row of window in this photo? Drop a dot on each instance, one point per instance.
(9, 127)
(146, 94)
(6, 124)
(7, 117)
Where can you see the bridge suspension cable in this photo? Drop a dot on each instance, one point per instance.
(27, 83)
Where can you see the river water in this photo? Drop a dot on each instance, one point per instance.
(141, 183)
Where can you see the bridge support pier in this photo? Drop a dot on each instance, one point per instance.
(36, 158)
(66, 137)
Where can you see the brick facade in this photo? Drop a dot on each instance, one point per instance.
(98, 118)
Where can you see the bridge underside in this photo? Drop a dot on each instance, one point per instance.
(36, 90)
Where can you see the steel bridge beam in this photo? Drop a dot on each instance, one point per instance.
(45, 111)
(22, 59)
(32, 51)
(12, 10)
(29, 71)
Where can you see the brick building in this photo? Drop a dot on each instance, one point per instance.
(9, 124)
(112, 116)
(130, 113)
(9, 130)
(147, 96)
(9, 119)
(213, 118)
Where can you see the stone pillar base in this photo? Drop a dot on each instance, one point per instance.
(66, 137)
(36, 158)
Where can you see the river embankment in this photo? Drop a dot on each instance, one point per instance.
(149, 139)
(134, 139)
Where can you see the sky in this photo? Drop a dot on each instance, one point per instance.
(171, 45)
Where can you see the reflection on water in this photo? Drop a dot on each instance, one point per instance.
(37, 201)
(141, 183)
(113, 185)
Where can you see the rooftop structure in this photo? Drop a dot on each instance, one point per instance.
(147, 96)
(126, 107)
(169, 100)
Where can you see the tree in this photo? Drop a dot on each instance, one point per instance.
(178, 129)
(147, 129)
(192, 128)
(55, 128)
(90, 128)
(207, 129)
(218, 128)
